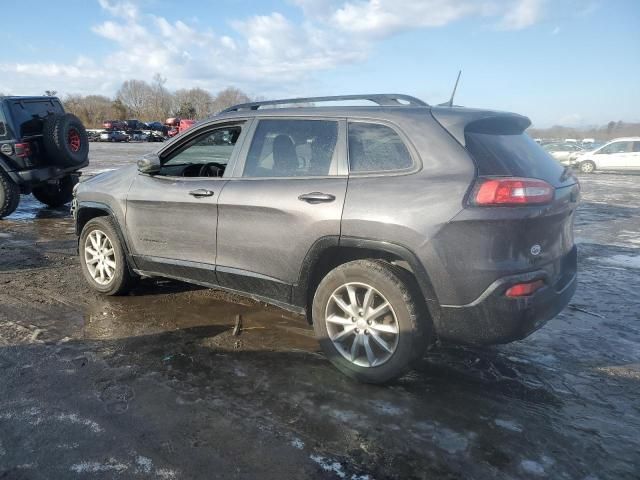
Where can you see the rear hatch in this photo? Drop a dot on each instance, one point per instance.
(498, 240)
(26, 117)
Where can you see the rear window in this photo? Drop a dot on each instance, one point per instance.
(27, 114)
(516, 155)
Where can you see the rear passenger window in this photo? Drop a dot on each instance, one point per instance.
(376, 148)
(292, 148)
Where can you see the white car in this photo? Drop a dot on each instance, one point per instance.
(563, 152)
(618, 154)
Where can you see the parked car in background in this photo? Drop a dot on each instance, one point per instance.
(138, 136)
(114, 136)
(114, 125)
(178, 125)
(563, 152)
(94, 135)
(390, 227)
(618, 154)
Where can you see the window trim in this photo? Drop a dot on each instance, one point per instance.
(340, 152)
(167, 150)
(416, 161)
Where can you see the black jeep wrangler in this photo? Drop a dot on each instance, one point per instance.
(41, 150)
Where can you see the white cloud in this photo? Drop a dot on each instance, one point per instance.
(384, 17)
(265, 53)
(522, 14)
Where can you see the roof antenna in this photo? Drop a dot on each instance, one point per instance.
(455, 87)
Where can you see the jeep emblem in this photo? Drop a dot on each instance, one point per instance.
(535, 250)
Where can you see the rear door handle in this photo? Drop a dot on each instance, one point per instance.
(317, 197)
(201, 192)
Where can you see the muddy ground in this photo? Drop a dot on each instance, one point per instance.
(154, 385)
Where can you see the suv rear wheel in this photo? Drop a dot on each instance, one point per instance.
(9, 195)
(58, 193)
(103, 259)
(369, 320)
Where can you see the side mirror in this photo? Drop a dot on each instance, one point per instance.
(149, 164)
(3, 129)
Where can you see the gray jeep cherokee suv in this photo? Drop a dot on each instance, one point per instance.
(389, 226)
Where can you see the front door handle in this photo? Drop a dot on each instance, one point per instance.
(201, 192)
(317, 197)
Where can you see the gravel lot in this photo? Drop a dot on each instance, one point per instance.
(154, 385)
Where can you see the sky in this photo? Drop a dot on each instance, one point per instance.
(568, 62)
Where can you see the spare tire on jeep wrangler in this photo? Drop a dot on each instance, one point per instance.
(65, 140)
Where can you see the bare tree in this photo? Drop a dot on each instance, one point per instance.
(135, 95)
(193, 103)
(228, 97)
(50, 93)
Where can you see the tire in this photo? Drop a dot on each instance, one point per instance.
(587, 166)
(65, 140)
(121, 280)
(9, 195)
(56, 194)
(406, 325)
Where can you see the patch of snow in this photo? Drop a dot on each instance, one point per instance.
(166, 474)
(626, 261)
(533, 468)
(328, 465)
(448, 440)
(345, 416)
(297, 443)
(77, 420)
(96, 467)
(144, 464)
(508, 425)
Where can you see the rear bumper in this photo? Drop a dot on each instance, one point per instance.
(40, 175)
(494, 318)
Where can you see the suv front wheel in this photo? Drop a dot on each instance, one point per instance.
(103, 259)
(369, 320)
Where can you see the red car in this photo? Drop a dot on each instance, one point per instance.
(178, 125)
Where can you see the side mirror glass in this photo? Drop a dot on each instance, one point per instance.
(149, 164)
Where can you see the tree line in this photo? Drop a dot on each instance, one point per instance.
(605, 132)
(150, 101)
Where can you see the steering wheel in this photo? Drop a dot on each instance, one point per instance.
(211, 169)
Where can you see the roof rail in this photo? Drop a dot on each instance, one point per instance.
(382, 99)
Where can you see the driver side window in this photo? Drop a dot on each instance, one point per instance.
(206, 155)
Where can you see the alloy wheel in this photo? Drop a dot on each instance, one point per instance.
(100, 257)
(362, 324)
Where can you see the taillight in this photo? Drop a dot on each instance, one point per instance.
(524, 289)
(510, 191)
(23, 149)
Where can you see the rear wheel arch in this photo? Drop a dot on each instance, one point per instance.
(330, 252)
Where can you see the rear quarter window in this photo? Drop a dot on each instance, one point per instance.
(514, 154)
(376, 148)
